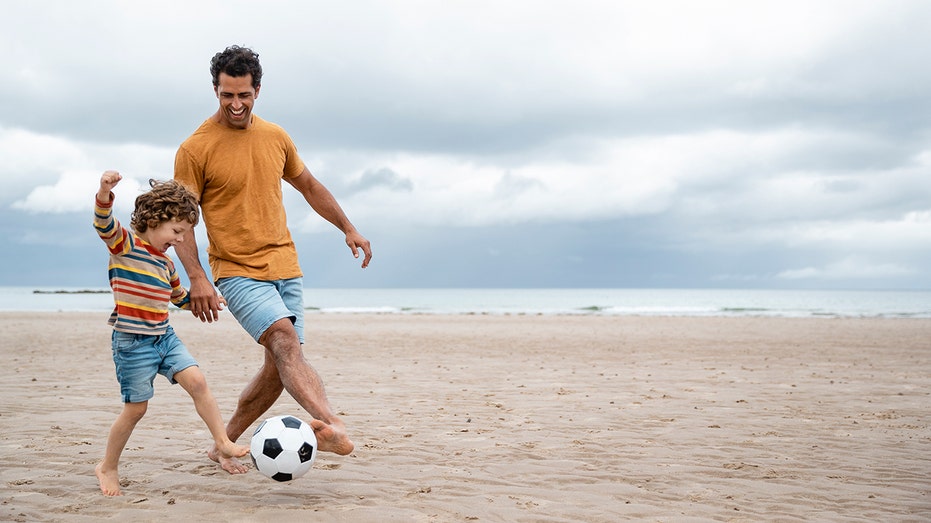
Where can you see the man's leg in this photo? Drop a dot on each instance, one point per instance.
(258, 396)
(304, 384)
(273, 313)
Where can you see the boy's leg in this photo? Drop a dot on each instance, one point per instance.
(107, 471)
(193, 381)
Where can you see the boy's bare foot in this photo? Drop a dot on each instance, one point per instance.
(331, 438)
(227, 458)
(232, 450)
(109, 481)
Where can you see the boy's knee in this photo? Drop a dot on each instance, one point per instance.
(135, 411)
(192, 379)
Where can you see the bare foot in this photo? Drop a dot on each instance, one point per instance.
(109, 480)
(331, 438)
(227, 459)
(232, 450)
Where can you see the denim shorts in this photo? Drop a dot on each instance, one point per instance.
(139, 357)
(257, 304)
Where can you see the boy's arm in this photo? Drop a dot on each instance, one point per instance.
(179, 295)
(108, 228)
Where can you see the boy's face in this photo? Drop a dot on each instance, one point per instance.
(167, 234)
(237, 97)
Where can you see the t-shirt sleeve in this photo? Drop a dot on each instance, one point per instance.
(188, 172)
(293, 165)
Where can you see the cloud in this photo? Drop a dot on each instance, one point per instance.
(74, 192)
(45, 173)
(909, 232)
(380, 178)
(511, 186)
(849, 269)
(726, 178)
(31, 158)
(721, 141)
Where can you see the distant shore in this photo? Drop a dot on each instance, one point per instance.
(498, 418)
(589, 302)
(63, 291)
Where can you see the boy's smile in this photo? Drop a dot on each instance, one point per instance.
(167, 234)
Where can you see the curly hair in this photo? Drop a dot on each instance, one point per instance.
(236, 61)
(167, 201)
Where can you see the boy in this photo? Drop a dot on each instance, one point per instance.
(144, 280)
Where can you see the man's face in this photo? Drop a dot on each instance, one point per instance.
(237, 97)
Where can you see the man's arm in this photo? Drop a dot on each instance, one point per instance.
(205, 304)
(324, 204)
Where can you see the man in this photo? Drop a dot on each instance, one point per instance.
(234, 163)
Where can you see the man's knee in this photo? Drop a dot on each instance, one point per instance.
(280, 336)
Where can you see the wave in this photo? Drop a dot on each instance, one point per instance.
(600, 302)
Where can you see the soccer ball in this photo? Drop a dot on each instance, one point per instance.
(283, 448)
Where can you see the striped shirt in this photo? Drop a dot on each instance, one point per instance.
(143, 279)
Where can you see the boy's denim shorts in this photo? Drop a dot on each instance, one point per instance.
(139, 357)
(257, 304)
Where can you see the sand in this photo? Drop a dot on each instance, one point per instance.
(498, 418)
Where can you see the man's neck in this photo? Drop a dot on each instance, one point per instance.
(218, 118)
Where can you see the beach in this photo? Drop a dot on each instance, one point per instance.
(523, 418)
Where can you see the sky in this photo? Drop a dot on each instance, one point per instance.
(662, 144)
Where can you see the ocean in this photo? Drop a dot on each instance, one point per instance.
(606, 302)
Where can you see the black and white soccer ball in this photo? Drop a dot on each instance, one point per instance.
(283, 448)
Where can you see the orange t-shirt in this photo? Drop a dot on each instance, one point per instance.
(236, 174)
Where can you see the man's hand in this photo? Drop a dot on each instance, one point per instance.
(205, 304)
(355, 241)
(324, 204)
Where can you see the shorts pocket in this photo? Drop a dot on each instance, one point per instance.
(125, 342)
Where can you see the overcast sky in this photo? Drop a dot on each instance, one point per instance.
(781, 144)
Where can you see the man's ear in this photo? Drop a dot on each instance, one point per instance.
(257, 88)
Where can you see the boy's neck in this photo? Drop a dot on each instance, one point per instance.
(144, 236)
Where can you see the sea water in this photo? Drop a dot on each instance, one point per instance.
(643, 302)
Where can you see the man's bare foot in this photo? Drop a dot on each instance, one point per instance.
(227, 458)
(109, 481)
(331, 438)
